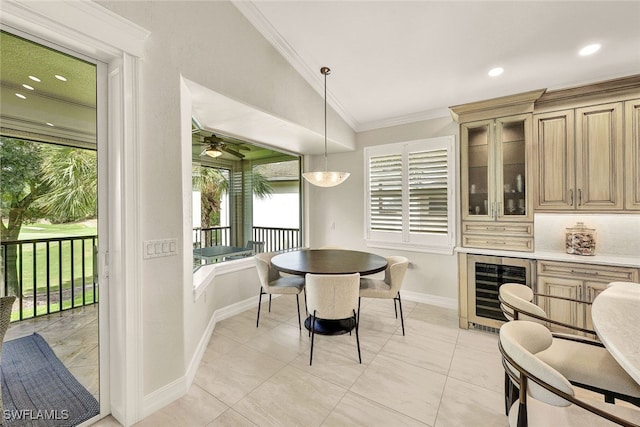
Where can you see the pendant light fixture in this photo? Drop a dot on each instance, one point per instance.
(326, 178)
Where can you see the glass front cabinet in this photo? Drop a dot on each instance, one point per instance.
(495, 185)
(497, 173)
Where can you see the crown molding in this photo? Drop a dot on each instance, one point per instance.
(403, 120)
(312, 76)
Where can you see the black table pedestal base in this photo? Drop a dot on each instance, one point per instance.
(331, 327)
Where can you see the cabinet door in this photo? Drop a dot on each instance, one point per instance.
(477, 158)
(562, 311)
(599, 161)
(512, 175)
(554, 154)
(632, 154)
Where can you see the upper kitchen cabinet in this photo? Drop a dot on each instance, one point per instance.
(496, 153)
(632, 154)
(578, 158)
(581, 138)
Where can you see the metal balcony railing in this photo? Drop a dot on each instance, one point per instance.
(50, 275)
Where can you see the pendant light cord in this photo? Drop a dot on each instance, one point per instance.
(325, 120)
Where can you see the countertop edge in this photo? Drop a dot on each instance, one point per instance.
(613, 260)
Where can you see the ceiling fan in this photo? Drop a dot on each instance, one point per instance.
(216, 146)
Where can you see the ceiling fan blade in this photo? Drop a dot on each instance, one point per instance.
(231, 151)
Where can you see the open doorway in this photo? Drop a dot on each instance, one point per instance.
(49, 158)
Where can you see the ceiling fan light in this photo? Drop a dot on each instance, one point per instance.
(213, 152)
(326, 179)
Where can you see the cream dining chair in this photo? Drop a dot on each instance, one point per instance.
(546, 397)
(333, 297)
(271, 282)
(389, 287)
(582, 360)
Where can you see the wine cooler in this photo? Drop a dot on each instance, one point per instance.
(485, 275)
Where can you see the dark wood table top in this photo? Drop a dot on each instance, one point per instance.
(328, 261)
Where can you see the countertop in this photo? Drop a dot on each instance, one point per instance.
(613, 260)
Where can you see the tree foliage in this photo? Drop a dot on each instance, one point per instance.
(213, 183)
(42, 181)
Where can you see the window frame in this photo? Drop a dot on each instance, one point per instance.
(405, 240)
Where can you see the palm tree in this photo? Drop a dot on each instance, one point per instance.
(71, 175)
(213, 183)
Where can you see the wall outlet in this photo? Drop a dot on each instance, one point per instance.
(160, 248)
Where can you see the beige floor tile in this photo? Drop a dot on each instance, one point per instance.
(465, 404)
(231, 418)
(232, 376)
(403, 387)
(196, 408)
(219, 345)
(284, 342)
(291, 398)
(430, 351)
(333, 361)
(354, 410)
(477, 360)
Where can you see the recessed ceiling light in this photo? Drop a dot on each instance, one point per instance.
(27, 87)
(21, 96)
(62, 78)
(50, 124)
(590, 49)
(34, 78)
(494, 72)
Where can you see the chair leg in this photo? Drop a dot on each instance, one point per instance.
(298, 304)
(357, 337)
(510, 393)
(401, 315)
(269, 303)
(359, 309)
(259, 303)
(313, 334)
(522, 406)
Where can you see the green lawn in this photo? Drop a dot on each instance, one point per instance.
(61, 269)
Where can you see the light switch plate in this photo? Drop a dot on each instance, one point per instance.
(160, 248)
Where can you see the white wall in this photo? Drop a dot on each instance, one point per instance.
(339, 219)
(212, 44)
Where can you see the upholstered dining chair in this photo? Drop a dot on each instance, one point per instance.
(546, 397)
(6, 304)
(389, 287)
(584, 361)
(333, 297)
(272, 283)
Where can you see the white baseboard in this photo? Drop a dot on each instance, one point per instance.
(178, 388)
(451, 303)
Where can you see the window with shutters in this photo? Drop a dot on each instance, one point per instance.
(410, 195)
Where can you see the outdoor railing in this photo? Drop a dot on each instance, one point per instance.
(50, 275)
(211, 236)
(277, 239)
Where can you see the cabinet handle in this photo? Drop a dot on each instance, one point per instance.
(571, 196)
(495, 229)
(499, 210)
(495, 242)
(580, 197)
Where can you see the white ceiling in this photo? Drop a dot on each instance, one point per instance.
(395, 62)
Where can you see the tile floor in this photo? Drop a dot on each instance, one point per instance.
(437, 375)
(73, 337)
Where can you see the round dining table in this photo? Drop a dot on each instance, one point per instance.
(616, 319)
(329, 261)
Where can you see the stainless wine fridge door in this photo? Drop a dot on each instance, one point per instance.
(485, 275)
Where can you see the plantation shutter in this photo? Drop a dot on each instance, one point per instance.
(385, 193)
(428, 191)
